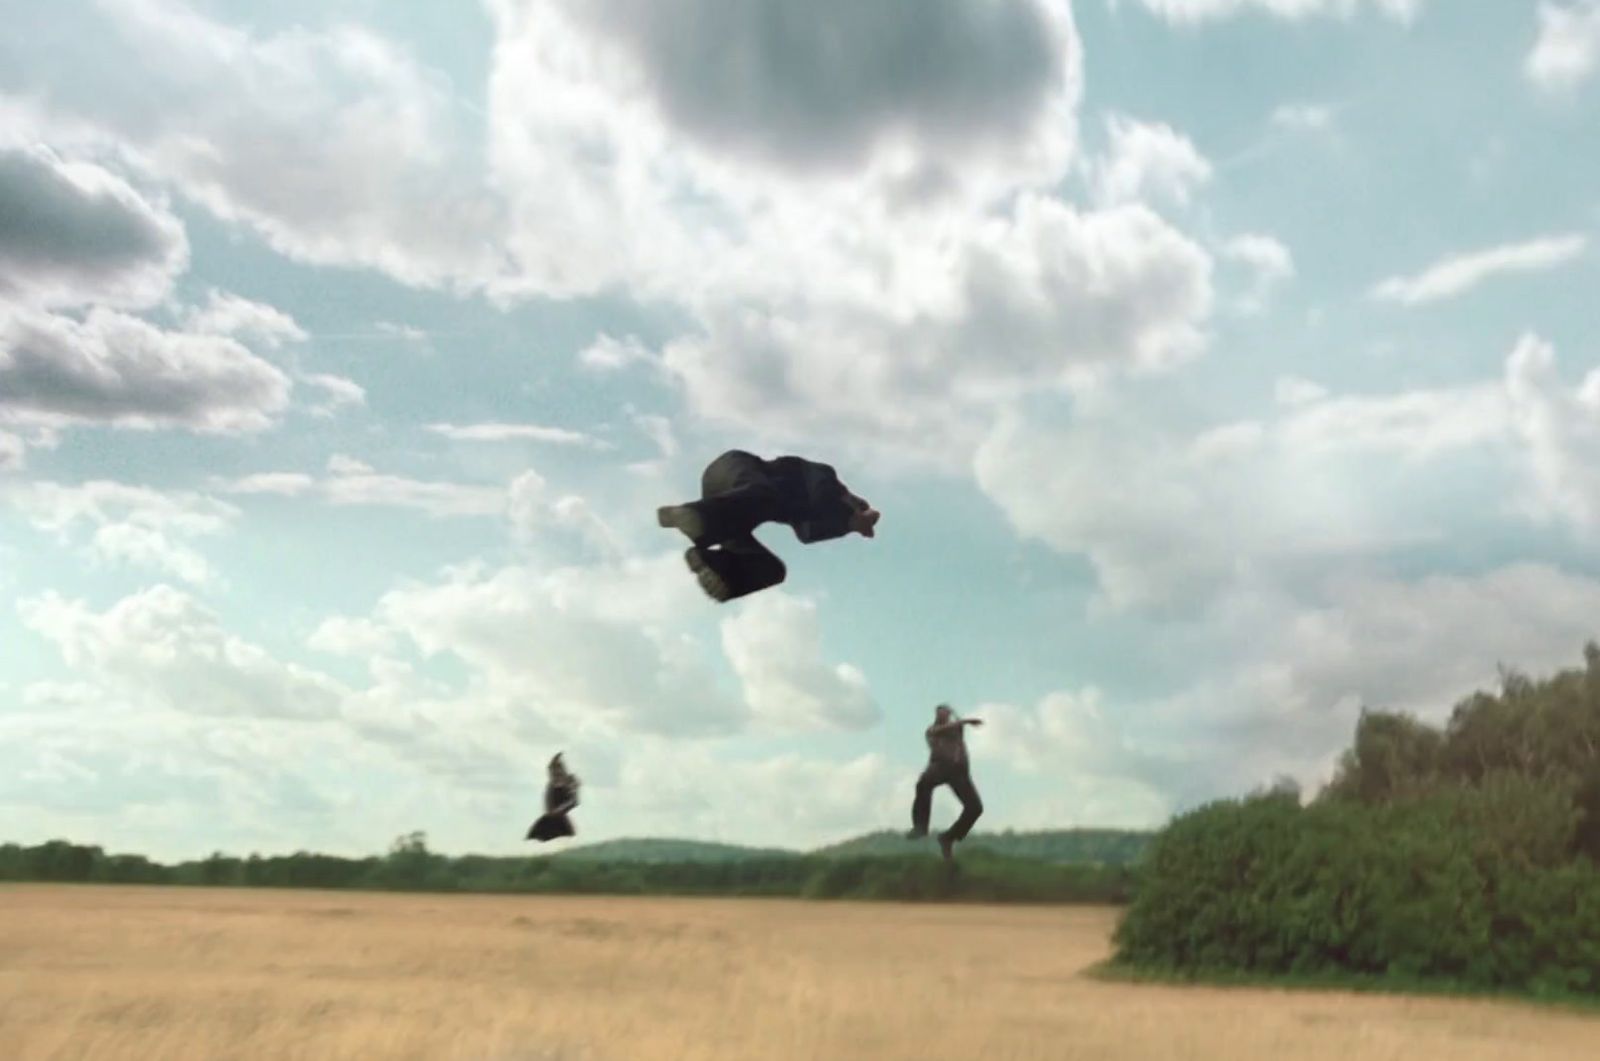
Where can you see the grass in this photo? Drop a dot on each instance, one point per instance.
(132, 972)
(1112, 971)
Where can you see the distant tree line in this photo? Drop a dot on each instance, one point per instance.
(983, 876)
(1467, 855)
(1112, 847)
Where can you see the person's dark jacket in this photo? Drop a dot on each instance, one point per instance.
(817, 504)
(559, 801)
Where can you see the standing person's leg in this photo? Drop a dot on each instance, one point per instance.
(971, 806)
(922, 802)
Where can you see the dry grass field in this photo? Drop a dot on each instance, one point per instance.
(166, 973)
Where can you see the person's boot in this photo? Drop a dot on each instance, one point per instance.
(916, 834)
(947, 845)
(716, 587)
(682, 518)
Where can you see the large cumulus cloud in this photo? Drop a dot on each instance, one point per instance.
(72, 233)
(115, 369)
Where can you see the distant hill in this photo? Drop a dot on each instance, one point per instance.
(1111, 847)
(647, 850)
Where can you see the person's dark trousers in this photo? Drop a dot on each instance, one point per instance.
(736, 497)
(959, 778)
(746, 566)
(551, 826)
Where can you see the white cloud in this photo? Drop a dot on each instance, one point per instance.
(13, 453)
(145, 547)
(409, 333)
(924, 222)
(229, 314)
(588, 649)
(341, 393)
(692, 790)
(1034, 300)
(625, 193)
(1559, 432)
(658, 429)
(163, 647)
(53, 507)
(172, 783)
(72, 234)
(117, 370)
(1189, 12)
(130, 524)
(1328, 480)
(608, 354)
(1411, 425)
(1233, 504)
(1455, 276)
(1568, 47)
(1267, 258)
(498, 432)
(335, 145)
(344, 464)
(372, 488)
(1285, 682)
(1291, 391)
(826, 83)
(1302, 117)
(1147, 162)
(863, 295)
(775, 647)
(344, 636)
(355, 483)
(283, 483)
(1074, 739)
(535, 511)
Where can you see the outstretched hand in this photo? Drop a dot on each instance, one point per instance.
(865, 522)
(973, 721)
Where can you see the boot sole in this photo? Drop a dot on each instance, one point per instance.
(679, 518)
(710, 581)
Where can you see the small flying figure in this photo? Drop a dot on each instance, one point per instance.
(560, 797)
(739, 491)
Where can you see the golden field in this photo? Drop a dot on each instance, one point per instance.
(170, 973)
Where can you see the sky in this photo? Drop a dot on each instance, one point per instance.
(1221, 368)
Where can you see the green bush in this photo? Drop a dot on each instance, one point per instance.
(1463, 856)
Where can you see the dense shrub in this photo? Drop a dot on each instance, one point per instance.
(1463, 856)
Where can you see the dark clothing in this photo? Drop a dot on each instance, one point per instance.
(745, 566)
(949, 746)
(959, 778)
(740, 491)
(559, 801)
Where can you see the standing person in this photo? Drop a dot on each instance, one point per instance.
(947, 765)
(560, 798)
(739, 491)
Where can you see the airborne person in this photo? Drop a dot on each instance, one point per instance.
(560, 797)
(947, 765)
(739, 491)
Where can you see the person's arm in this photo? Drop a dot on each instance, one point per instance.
(954, 724)
(832, 513)
(561, 798)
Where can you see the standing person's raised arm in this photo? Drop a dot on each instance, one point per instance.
(953, 724)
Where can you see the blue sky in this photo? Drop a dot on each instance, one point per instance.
(1220, 367)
